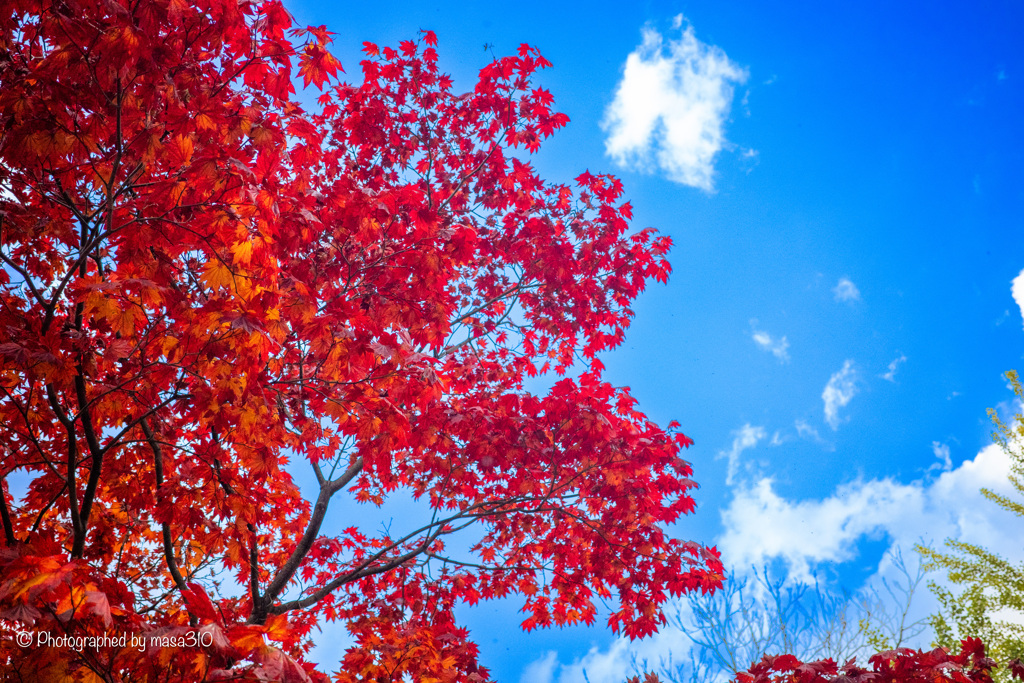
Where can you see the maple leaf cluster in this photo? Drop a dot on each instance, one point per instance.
(902, 665)
(206, 289)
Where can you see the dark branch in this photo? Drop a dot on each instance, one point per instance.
(316, 520)
(5, 515)
(165, 528)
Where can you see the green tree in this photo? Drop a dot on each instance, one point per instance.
(990, 602)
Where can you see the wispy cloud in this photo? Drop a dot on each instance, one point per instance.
(743, 438)
(806, 431)
(890, 375)
(840, 390)
(845, 290)
(671, 106)
(941, 452)
(778, 346)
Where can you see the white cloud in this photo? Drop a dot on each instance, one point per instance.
(540, 670)
(612, 665)
(890, 375)
(804, 533)
(761, 525)
(671, 106)
(840, 390)
(941, 452)
(743, 438)
(1017, 290)
(778, 347)
(845, 290)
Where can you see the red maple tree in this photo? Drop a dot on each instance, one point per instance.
(206, 289)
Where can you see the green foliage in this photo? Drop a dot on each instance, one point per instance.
(990, 604)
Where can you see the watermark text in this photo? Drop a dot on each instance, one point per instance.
(122, 641)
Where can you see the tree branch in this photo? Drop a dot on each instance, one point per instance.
(72, 461)
(316, 520)
(165, 528)
(5, 515)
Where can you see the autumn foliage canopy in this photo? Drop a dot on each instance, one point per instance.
(230, 325)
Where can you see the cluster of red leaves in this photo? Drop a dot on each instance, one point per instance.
(902, 665)
(206, 289)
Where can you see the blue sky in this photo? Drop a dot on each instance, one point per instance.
(843, 187)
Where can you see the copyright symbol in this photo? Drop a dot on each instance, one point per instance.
(24, 638)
